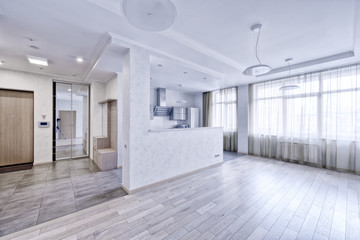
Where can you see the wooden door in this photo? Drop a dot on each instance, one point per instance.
(67, 124)
(16, 127)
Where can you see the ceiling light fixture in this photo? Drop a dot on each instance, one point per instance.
(260, 68)
(69, 89)
(79, 59)
(292, 86)
(2, 62)
(38, 60)
(150, 15)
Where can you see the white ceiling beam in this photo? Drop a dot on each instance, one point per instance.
(194, 45)
(311, 62)
(95, 58)
(126, 42)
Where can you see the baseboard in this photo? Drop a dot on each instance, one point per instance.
(125, 189)
(243, 153)
(168, 179)
(41, 163)
(16, 167)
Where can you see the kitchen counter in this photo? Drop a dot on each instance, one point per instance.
(182, 129)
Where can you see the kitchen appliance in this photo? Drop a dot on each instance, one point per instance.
(182, 126)
(193, 117)
(161, 109)
(178, 114)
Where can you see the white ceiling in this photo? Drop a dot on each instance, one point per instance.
(210, 39)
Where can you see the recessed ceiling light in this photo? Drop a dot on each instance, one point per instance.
(2, 62)
(159, 65)
(204, 78)
(79, 59)
(69, 89)
(38, 60)
(185, 73)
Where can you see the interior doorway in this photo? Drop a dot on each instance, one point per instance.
(71, 118)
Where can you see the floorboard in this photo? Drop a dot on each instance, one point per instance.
(245, 198)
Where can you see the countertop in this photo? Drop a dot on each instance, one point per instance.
(182, 129)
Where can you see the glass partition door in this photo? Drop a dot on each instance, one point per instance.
(71, 120)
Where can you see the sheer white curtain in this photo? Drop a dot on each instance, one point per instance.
(317, 124)
(224, 114)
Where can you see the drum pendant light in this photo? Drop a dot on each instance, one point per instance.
(150, 15)
(260, 68)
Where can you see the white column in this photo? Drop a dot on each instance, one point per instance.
(119, 118)
(243, 109)
(136, 115)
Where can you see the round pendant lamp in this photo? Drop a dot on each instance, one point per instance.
(291, 86)
(260, 68)
(150, 15)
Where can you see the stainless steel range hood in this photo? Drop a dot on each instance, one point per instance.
(161, 109)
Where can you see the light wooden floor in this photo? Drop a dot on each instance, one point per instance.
(246, 198)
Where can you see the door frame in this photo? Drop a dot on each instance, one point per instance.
(54, 119)
(33, 129)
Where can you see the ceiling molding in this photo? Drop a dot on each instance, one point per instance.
(180, 38)
(108, 5)
(126, 42)
(54, 76)
(104, 43)
(311, 63)
(111, 76)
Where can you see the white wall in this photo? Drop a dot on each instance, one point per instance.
(172, 98)
(111, 87)
(97, 94)
(42, 88)
(198, 102)
(243, 109)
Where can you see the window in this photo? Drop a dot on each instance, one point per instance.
(224, 104)
(326, 105)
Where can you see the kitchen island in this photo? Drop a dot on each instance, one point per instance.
(170, 153)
